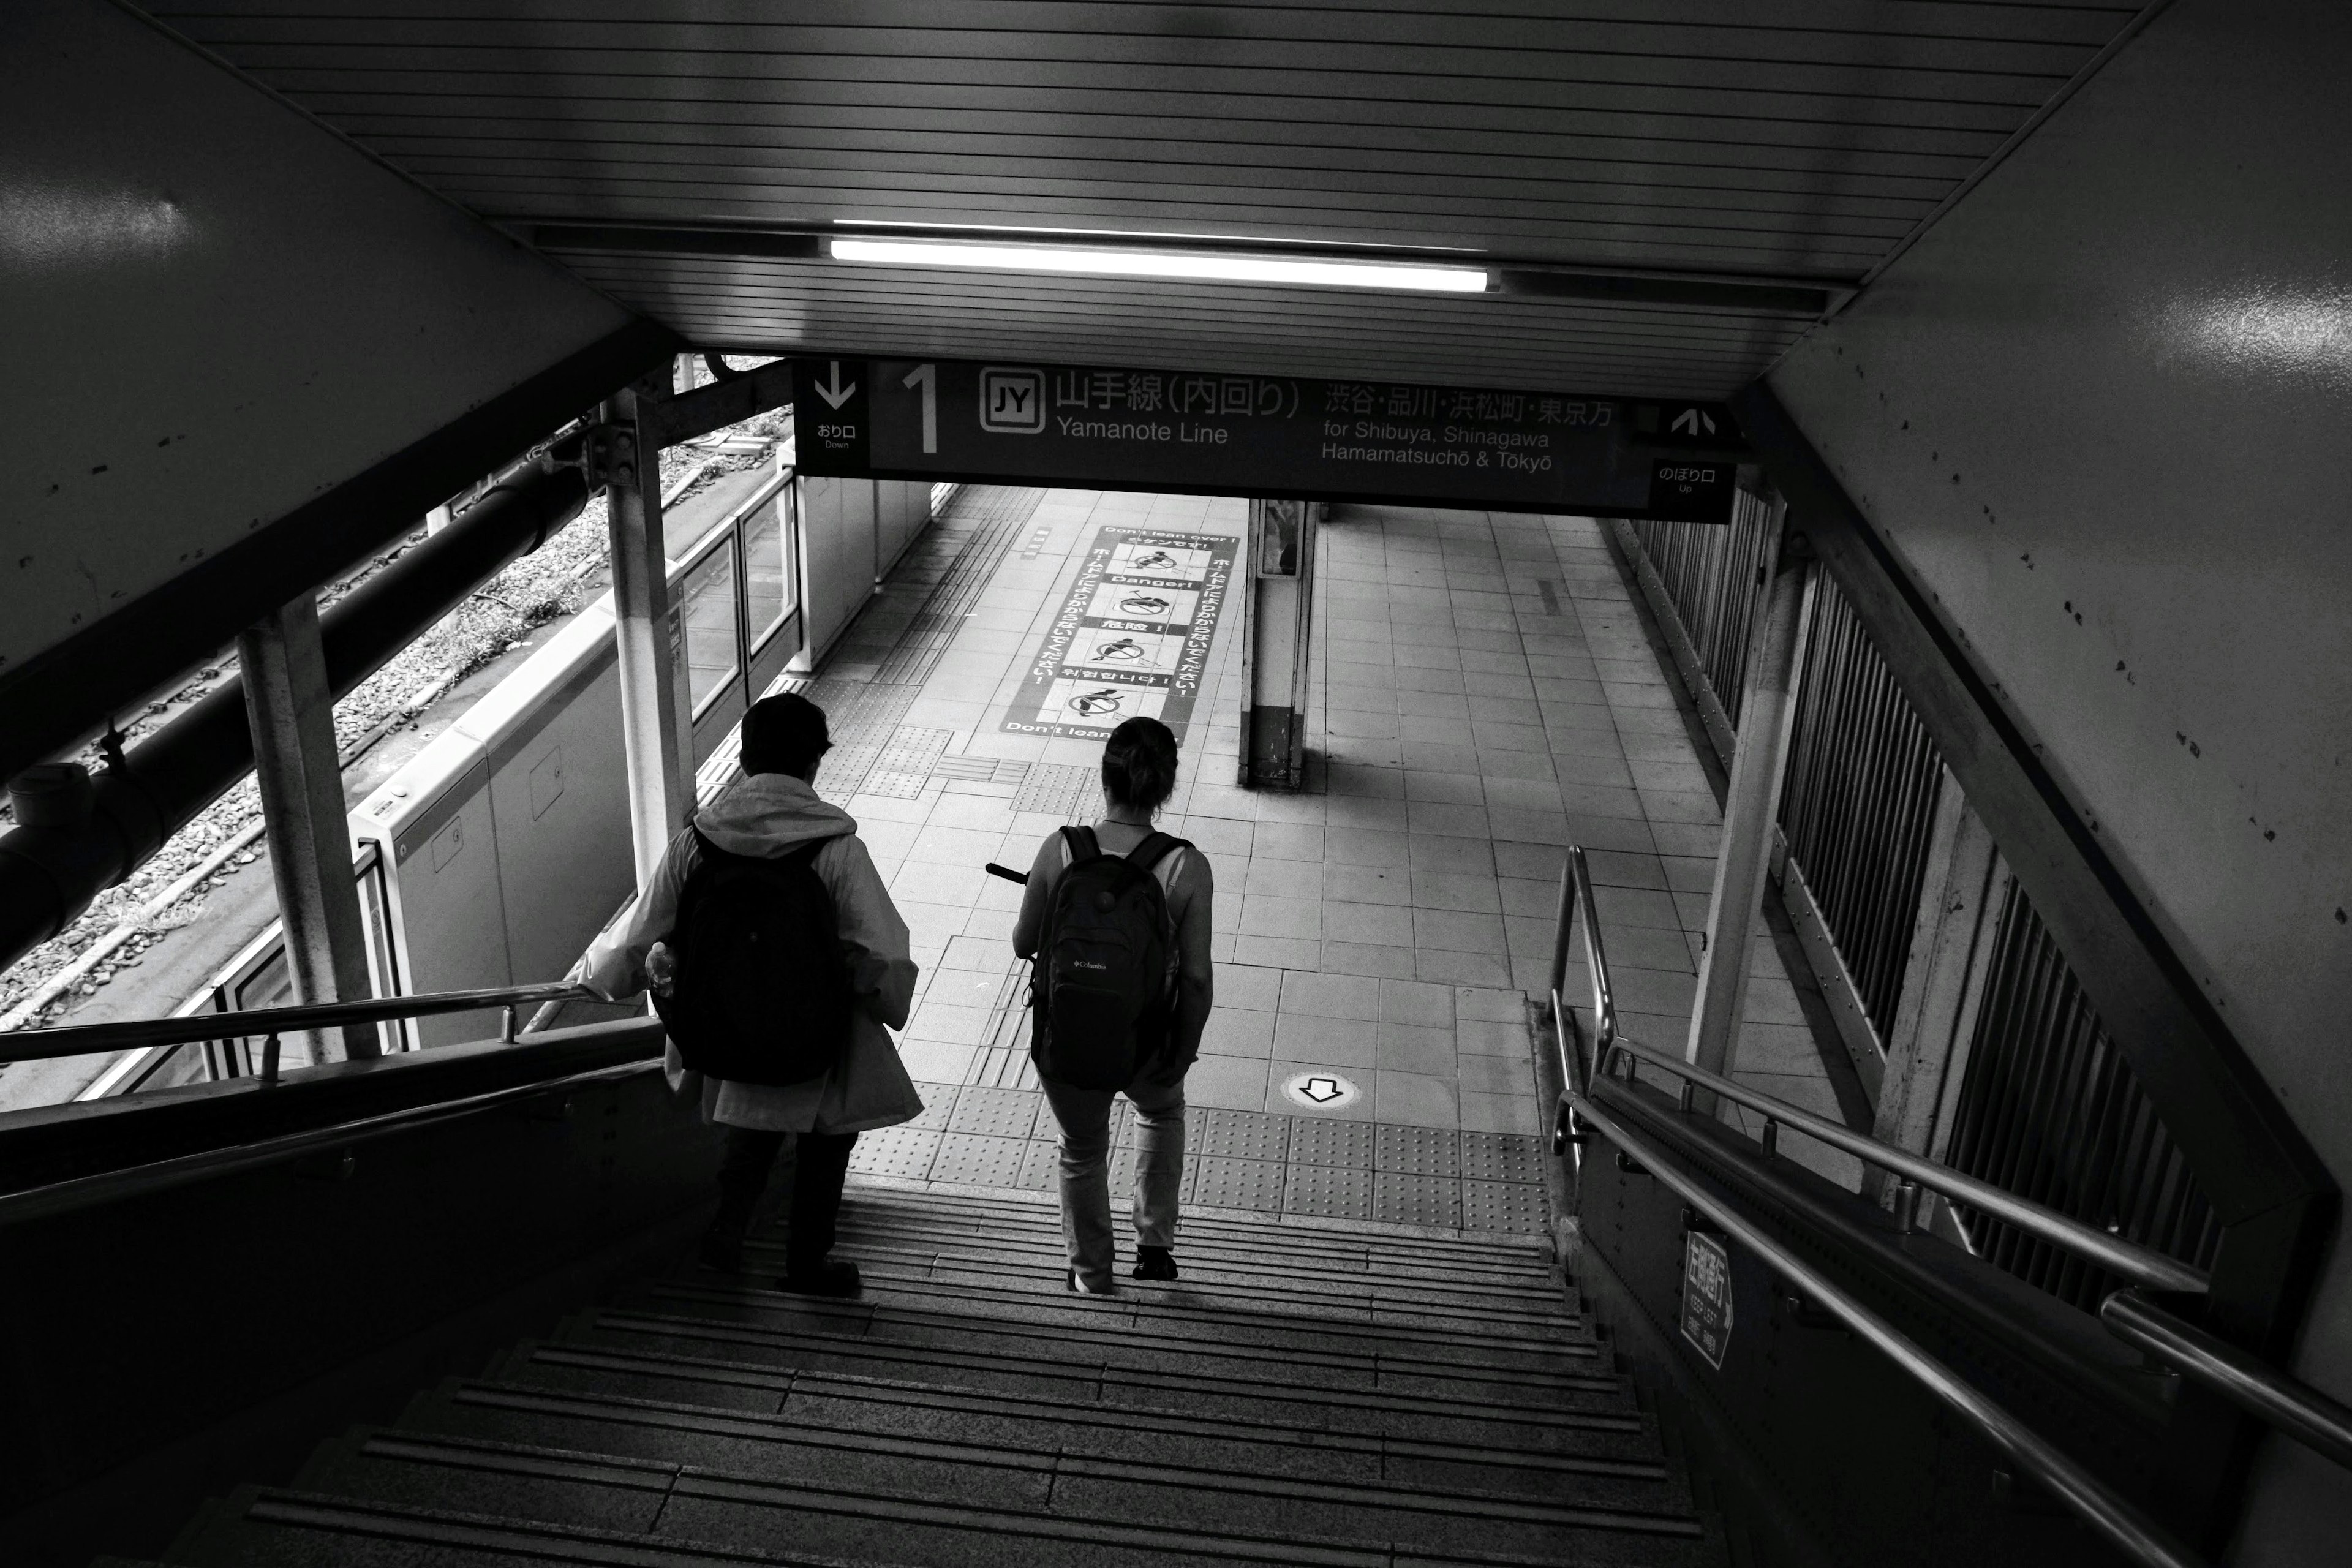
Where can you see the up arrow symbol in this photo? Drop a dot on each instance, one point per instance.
(834, 393)
(1691, 419)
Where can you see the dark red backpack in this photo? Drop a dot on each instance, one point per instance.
(1101, 985)
(763, 994)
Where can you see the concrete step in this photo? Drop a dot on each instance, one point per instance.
(1079, 1375)
(1238, 1317)
(1425, 1300)
(1620, 1472)
(275, 1527)
(718, 1383)
(1189, 1341)
(925, 1502)
(1107, 1353)
(1293, 1244)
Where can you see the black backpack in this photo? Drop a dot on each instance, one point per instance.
(761, 993)
(1100, 986)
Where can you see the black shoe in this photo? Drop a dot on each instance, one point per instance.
(722, 1254)
(825, 1277)
(1154, 1263)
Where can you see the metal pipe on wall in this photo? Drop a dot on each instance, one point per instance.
(49, 874)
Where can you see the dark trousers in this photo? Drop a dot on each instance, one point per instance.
(820, 1165)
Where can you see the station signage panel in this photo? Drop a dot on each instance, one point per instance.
(1098, 427)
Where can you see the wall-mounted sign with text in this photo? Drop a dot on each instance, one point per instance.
(1186, 433)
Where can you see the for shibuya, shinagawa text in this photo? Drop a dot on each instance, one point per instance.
(1448, 446)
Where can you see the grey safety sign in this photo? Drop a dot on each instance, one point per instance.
(1707, 1295)
(1121, 428)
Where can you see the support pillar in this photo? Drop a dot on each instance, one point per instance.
(291, 708)
(654, 708)
(1767, 713)
(1278, 611)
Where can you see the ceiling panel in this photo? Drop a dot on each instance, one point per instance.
(1803, 138)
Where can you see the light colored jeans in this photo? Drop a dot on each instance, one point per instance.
(1084, 1117)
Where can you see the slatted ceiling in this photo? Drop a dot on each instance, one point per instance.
(1570, 345)
(1806, 137)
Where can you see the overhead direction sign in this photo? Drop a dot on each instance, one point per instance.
(1186, 432)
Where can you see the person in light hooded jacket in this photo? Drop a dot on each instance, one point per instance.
(771, 811)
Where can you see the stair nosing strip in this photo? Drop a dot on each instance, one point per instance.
(1398, 1403)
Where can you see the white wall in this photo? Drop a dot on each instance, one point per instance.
(215, 310)
(2103, 412)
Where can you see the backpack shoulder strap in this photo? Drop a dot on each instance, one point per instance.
(1082, 842)
(1156, 847)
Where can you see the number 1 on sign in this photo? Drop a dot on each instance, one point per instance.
(927, 376)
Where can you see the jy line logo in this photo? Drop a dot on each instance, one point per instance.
(1011, 402)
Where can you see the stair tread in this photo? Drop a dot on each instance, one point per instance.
(837, 1495)
(1342, 1409)
(1077, 1354)
(1308, 1393)
(1060, 1318)
(1429, 1300)
(1350, 1247)
(279, 1526)
(718, 1383)
(855, 1411)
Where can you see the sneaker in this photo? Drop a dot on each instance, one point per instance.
(721, 1254)
(1154, 1263)
(825, 1277)
(1083, 1289)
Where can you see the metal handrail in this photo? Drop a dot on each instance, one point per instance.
(2141, 1265)
(2113, 1517)
(2291, 1405)
(88, 1039)
(1577, 913)
(81, 1192)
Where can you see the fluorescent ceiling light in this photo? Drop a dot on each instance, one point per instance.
(1105, 261)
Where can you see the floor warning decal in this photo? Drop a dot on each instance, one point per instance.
(1132, 636)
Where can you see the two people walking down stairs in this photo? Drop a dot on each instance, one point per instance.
(1115, 919)
(779, 964)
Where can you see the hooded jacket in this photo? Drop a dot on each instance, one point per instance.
(769, 815)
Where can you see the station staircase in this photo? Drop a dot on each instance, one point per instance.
(1302, 1396)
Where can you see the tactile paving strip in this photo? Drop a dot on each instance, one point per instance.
(905, 764)
(1315, 1141)
(1007, 1137)
(1502, 1157)
(1417, 1151)
(1505, 1205)
(1230, 1183)
(1398, 1198)
(975, 1161)
(906, 1153)
(1056, 789)
(1239, 1134)
(996, 1112)
(1329, 1191)
(1041, 1168)
(938, 1104)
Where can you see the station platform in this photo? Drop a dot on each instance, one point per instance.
(1483, 695)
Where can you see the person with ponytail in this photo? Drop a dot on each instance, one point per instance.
(1115, 920)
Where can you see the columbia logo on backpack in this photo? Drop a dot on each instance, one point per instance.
(1104, 985)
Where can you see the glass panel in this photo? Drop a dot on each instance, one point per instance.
(767, 568)
(1278, 550)
(707, 602)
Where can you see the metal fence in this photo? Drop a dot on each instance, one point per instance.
(1716, 576)
(2049, 1109)
(1859, 802)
